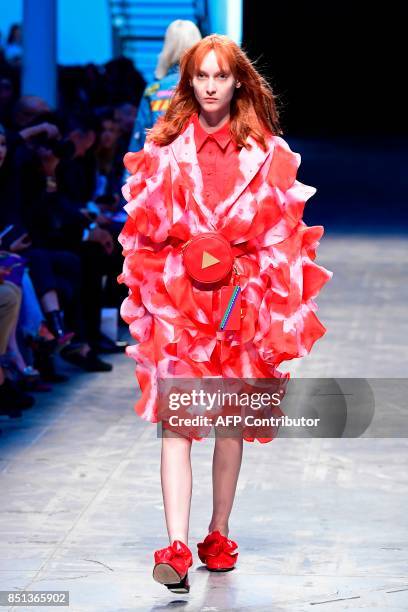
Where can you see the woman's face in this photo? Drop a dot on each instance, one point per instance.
(213, 87)
(109, 134)
(3, 149)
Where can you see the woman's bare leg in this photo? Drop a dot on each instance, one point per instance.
(226, 466)
(49, 301)
(177, 482)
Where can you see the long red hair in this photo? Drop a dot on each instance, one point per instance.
(253, 109)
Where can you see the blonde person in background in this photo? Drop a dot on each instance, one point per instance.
(180, 35)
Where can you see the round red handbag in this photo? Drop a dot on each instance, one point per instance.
(208, 257)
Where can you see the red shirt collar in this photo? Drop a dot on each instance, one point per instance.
(222, 136)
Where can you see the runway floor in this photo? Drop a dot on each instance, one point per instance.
(321, 523)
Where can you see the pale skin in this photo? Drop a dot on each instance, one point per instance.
(212, 82)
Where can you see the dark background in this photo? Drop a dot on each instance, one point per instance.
(338, 67)
(339, 70)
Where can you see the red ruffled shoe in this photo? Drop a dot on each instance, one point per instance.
(217, 552)
(171, 566)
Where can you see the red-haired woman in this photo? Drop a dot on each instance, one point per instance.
(215, 219)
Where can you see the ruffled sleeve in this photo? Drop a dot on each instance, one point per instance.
(133, 237)
(287, 325)
(147, 242)
(148, 194)
(134, 192)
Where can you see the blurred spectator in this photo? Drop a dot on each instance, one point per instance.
(180, 35)
(96, 90)
(29, 109)
(123, 82)
(7, 100)
(12, 400)
(81, 88)
(13, 50)
(14, 223)
(108, 157)
(60, 212)
(14, 358)
(60, 263)
(77, 175)
(125, 115)
(71, 89)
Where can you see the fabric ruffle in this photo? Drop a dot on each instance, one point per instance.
(173, 321)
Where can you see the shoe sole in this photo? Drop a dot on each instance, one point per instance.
(178, 588)
(167, 575)
(220, 569)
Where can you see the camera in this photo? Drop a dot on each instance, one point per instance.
(63, 149)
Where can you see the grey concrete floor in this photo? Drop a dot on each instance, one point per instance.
(321, 523)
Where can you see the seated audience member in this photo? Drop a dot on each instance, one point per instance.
(53, 227)
(109, 163)
(13, 50)
(12, 400)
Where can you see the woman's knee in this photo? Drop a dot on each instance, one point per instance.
(174, 439)
(10, 301)
(11, 294)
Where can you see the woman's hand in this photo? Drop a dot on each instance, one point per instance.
(21, 243)
(51, 130)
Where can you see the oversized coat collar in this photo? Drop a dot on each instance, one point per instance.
(184, 153)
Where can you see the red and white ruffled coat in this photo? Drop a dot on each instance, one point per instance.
(170, 318)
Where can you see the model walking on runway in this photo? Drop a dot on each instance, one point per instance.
(215, 220)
